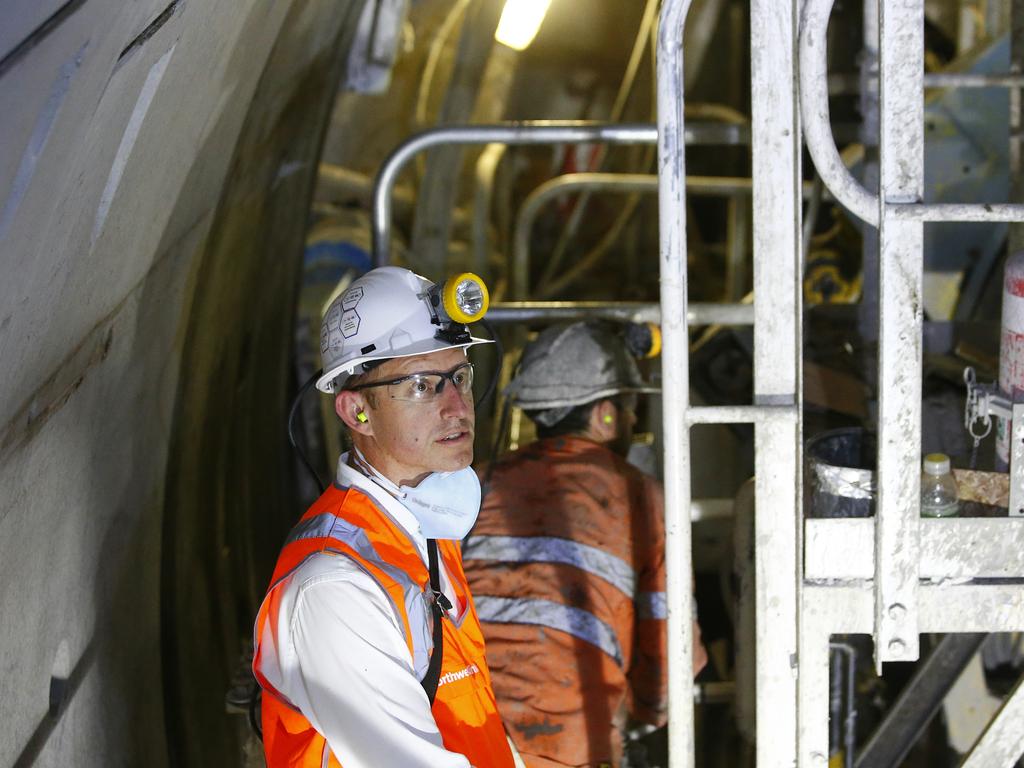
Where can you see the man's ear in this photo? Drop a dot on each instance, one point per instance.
(352, 409)
(604, 420)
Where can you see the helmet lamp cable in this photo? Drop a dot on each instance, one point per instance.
(499, 351)
(291, 429)
(499, 437)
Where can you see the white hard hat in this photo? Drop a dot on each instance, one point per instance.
(392, 312)
(571, 365)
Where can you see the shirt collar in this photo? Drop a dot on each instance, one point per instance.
(350, 477)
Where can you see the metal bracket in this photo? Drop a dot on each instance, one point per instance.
(373, 51)
(981, 404)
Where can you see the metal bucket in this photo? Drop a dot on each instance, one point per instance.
(839, 474)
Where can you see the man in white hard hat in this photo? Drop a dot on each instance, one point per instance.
(368, 646)
(567, 558)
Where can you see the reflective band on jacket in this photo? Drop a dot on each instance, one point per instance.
(318, 526)
(329, 526)
(651, 605)
(545, 613)
(547, 549)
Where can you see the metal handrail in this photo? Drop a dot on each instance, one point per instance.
(956, 211)
(698, 313)
(741, 414)
(527, 132)
(973, 80)
(815, 114)
(822, 146)
(675, 379)
(520, 133)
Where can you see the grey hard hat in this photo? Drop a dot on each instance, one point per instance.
(571, 365)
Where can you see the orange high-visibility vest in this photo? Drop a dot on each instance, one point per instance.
(347, 523)
(566, 563)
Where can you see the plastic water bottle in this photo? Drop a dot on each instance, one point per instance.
(938, 487)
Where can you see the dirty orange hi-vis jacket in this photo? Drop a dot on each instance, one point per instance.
(566, 564)
(347, 523)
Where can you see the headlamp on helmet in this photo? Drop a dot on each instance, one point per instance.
(643, 339)
(392, 312)
(455, 303)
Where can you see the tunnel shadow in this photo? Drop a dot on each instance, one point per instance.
(62, 690)
(228, 501)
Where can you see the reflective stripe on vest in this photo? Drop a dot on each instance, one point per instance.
(577, 622)
(651, 605)
(416, 602)
(548, 549)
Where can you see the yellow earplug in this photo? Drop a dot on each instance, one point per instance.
(608, 418)
(361, 417)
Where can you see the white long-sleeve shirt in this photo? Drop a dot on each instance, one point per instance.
(342, 657)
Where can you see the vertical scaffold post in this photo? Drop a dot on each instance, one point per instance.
(777, 361)
(675, 378)
(901, 242)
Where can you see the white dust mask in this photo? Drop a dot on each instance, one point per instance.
(445, 504)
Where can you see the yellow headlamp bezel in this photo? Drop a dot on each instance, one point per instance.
(451, 306)
(655, 349)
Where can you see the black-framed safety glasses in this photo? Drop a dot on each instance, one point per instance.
(425, 386)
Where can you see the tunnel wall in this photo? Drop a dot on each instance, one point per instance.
(156, 161)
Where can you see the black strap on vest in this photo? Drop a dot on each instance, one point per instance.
(438, 605)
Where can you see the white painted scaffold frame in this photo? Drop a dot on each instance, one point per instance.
(777, 191)
(892, 576)
(875, 585)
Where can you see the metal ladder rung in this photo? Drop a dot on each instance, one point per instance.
(741, 414)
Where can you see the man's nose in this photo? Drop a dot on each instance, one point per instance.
(454, 402)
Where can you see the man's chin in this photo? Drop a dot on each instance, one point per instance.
(456, 462)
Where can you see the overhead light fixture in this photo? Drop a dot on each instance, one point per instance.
(520, 21)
